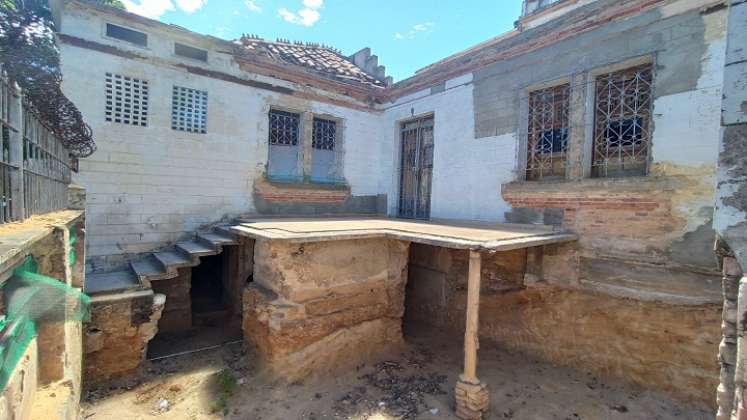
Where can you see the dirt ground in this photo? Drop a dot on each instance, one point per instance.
(417, 384)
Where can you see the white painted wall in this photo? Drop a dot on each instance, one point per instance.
(687, 125)
(467, 172)
(148, 186)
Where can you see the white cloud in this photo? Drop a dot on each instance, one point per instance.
(313, 4)
(191, 6)
(252, 6)
(415, 30)
(154, 9)
(149, 8)
(307, 16)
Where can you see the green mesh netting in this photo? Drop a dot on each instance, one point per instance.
(31, 300)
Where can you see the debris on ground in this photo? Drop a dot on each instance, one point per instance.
(163, 405)
(399, 393)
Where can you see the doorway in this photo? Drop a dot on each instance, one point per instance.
(416, 168)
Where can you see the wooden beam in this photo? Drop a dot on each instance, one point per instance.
(471, 343)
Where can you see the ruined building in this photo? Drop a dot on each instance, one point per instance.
(555, 191)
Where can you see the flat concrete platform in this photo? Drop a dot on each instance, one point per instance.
(488, 237)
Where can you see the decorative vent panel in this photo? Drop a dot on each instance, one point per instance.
(126, 100)
(189, 110)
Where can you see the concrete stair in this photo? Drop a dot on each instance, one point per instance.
(163, 264)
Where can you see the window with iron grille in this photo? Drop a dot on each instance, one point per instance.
(323, 136)
(126, 100)
(284, 128)
(622, 137)
(547, 133)
(189, 110)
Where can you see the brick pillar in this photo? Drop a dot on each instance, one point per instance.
(728, 347)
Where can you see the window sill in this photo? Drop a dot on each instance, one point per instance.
(637, 193)
(300, 192)
(312, 184)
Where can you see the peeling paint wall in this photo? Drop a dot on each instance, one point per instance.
(654, 231)
(730, 218)
(459, 159)
(150, 186)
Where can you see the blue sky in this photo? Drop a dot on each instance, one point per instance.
(405, 34)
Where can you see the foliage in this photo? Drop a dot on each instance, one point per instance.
(29, 56)
(227, 384)
(113, 3)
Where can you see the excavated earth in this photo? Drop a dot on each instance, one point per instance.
(416, 384)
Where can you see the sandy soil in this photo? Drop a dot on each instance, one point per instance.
(417, 384)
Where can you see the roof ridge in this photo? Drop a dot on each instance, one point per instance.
(293, 43)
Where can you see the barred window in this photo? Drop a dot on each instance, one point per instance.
(126, 100)
(547, 134)
(284, 128)
(323, 136)
(189, 110)
(622, 137)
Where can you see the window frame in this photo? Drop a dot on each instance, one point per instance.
(591, 115)
(305, 146)
(106, 35)
(528, 124)
(177, 55)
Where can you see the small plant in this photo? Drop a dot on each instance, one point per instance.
(227, 384)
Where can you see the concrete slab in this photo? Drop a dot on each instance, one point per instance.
(488, 237)
(18, 238)
(111, 282)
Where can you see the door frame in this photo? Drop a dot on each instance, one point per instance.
(398, 176)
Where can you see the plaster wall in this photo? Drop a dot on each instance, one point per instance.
(149, 186)
(480, 129)
(467, 172)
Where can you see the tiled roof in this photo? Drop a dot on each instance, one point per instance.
(320, 59)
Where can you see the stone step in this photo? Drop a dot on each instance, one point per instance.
(151, 268)
(217, 238)
(174, 259)
(225, 230)
(196, 248)
(111, 282)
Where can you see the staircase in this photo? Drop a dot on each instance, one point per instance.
(161, 265)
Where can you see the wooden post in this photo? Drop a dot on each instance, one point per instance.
(472, 398)
(471, 343)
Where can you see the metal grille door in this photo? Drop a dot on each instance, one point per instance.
(416, 169)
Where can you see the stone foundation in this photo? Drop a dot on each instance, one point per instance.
(318, 307)
(472, 400)
(117, 337)
(177, 311)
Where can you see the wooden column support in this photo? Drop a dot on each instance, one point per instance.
(472, 398)
(471, 341)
